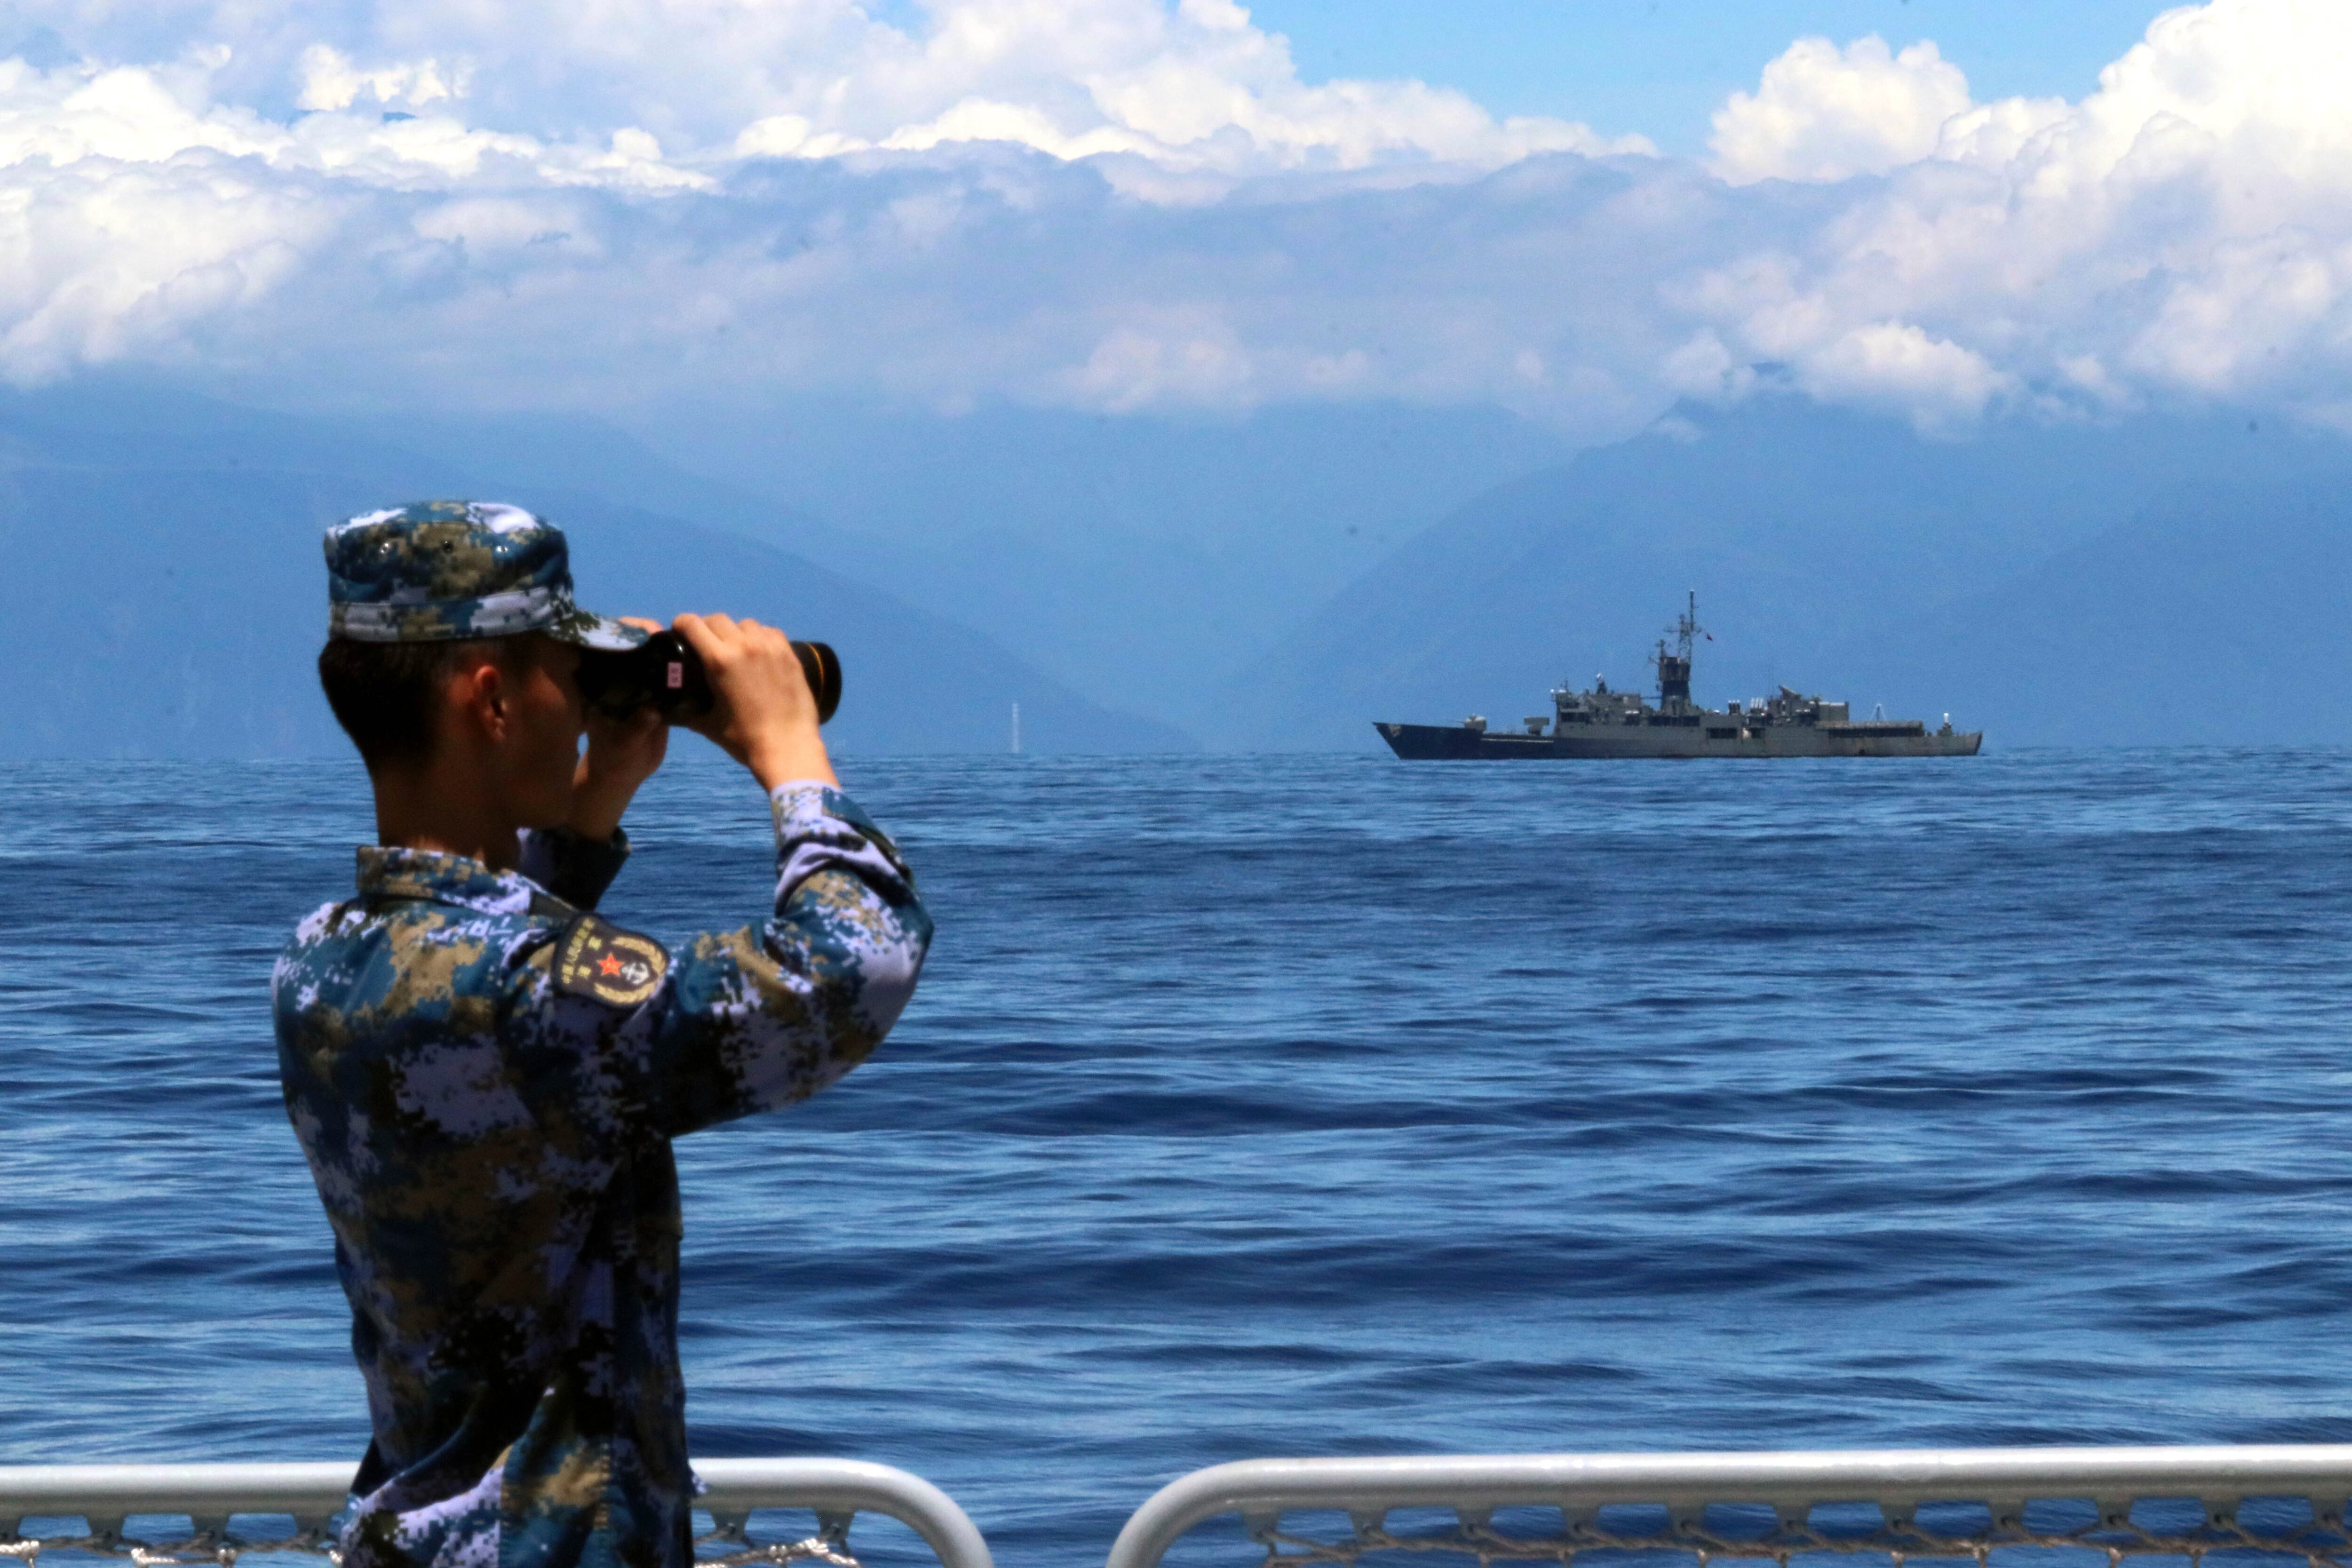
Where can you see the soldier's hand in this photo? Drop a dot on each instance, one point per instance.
(761, 713)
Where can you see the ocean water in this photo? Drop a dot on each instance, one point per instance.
(1311, 1105)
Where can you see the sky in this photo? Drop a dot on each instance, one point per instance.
(1663, 66)
(1577, 213)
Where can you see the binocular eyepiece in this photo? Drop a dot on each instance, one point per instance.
(666, 674)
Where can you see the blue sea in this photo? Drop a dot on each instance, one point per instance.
(1311, 1105)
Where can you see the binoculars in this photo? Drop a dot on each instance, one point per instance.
(666, 674)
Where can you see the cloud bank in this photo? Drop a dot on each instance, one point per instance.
(1134, 206)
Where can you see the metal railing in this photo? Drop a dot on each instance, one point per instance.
(225, 1505)
(2267, 1503)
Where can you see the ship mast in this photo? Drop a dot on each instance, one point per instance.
(1675, 668)
(1687, 627)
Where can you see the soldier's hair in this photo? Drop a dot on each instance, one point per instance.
(386, 695)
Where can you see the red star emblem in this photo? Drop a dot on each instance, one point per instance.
(608, 964)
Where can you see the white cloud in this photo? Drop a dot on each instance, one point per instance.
(125, 113)
(328, 80)
(1826, 113)
(1705, 370)
(1943, 386)
(2183, 231)
(1133, 204)
(1197, 83)
(101, 262)
(1134, 368)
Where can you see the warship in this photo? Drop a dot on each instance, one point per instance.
(1599, 722)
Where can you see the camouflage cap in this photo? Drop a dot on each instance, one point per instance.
(437, 571)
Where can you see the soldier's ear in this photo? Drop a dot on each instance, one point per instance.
(490, 695)
(478, 694)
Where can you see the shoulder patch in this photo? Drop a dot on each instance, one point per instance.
(605, 963)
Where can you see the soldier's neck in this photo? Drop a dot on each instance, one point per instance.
(449, 815)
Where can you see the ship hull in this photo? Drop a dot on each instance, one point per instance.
(1459, 742)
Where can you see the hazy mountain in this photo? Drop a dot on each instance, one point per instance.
(1135, 561)
(2221, 614)
(1140, 559)
(165, 594)
(1814, 538)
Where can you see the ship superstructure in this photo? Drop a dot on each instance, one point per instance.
(1599, 722)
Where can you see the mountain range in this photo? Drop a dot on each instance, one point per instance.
(166, 595)
(1277, 582)
(2050, 584)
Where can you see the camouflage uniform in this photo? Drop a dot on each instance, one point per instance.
(485, 1077)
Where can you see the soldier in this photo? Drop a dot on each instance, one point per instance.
(486, 1076)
